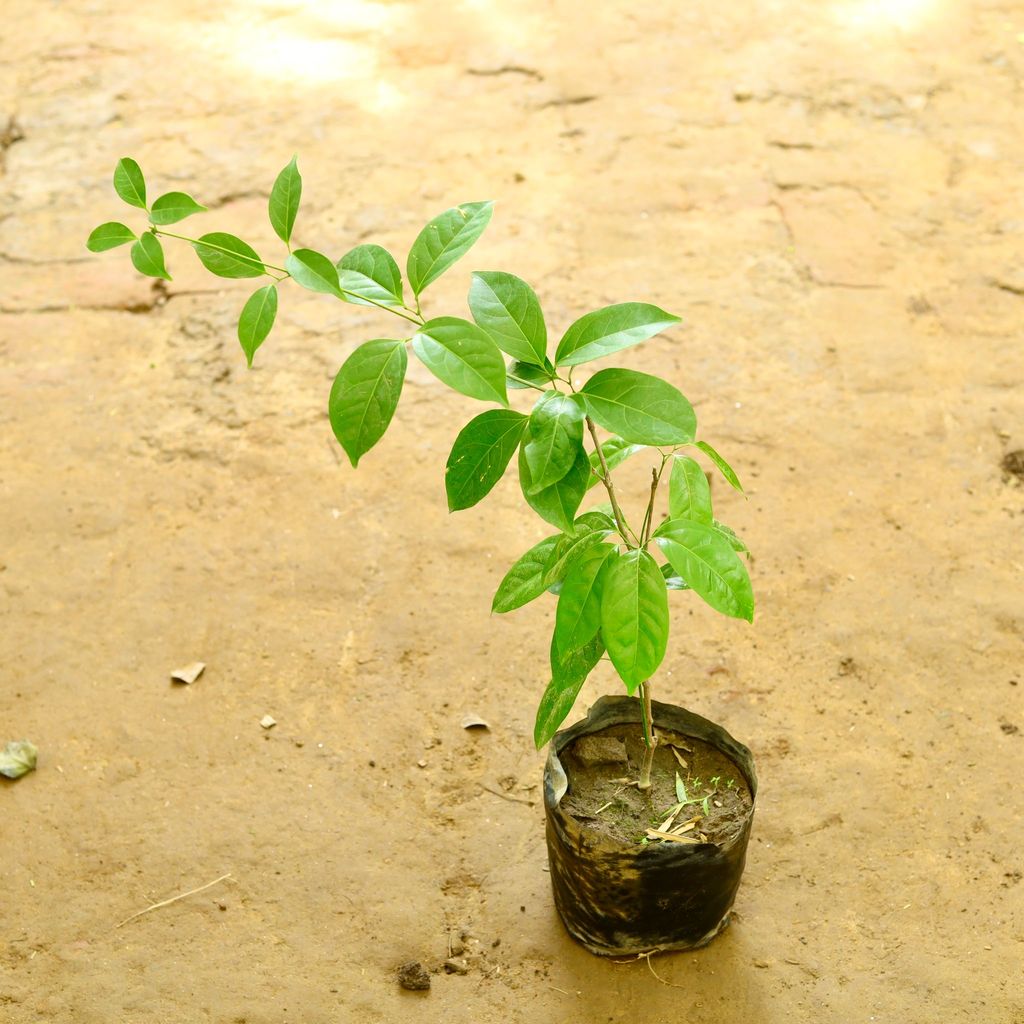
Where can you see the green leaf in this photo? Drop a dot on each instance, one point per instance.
(673, 580)
(227, 256)
(284, 200)
(616, 451)
(256, 320)
(558, 503)
(480, 455)
(568, 675)
(365, 394)
(314, 271)
(704, 557)
(508, 309)
(520, 376)
(689, 493)
(462, 356)
(597, 519)
(444, 240)
(148, 257)
(370, 272)
(640, 408)
(554, 438)
(609, 330)
(523, 583)
(726, 470)
(634, 616)
(737, 544)
(172, 207)
(109, 236)
(18, 758)
(129, 183)
(588, 530)
(578, 615)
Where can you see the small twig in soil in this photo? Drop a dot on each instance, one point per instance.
(653, 833)
(679, 758)
(604, 807)
(173, 899)
(506, 796)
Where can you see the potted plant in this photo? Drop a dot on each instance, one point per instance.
(648, 805)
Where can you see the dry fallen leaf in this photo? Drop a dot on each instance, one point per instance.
(473, 721)
(267, 722)
(188, 674)
(18, 758)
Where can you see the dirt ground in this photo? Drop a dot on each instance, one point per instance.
(830, 194)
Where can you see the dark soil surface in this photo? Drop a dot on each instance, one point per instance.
(602, 798)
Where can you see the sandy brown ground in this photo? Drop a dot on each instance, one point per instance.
(829, 193)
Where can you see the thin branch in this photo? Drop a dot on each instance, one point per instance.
(606, 479)
(173, 899)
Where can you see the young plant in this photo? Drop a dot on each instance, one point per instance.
(611, 587)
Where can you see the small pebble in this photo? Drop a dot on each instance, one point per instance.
(413, 976)
(453, 966)
(267, 722)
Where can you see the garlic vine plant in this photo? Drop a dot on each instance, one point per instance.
(612, 589)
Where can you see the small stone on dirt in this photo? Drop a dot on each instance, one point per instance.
(474, 721)
(268, 722)
(1013, 464)
(18, 758)
(592, 750)
(188, 674)
(453, 966)
(458, 947)
(412, 975)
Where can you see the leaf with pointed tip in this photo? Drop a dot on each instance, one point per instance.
(444, 240)
(508, 309)
(568, 675)
(462, 356)
(314, 271)
(365, 395)
(370, 272)
(172, 207)
(704, 557)
(554, 438)
(723, 466)
(689, 494)
(558, 503)
(129, 183)
(616, 451)
(480, 456)
(520, 376)
(227, 256)
(109, 236)
(634, 616)
(609, 330)
(578, 615)
(148, 257)
(284, 200)
(523, 583)
(639, 408)
(256, 320)
(737, 544)
(588, 530)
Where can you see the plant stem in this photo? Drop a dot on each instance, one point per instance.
(606, 479)
(645, 532)
(413, 318)
(650, 738)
